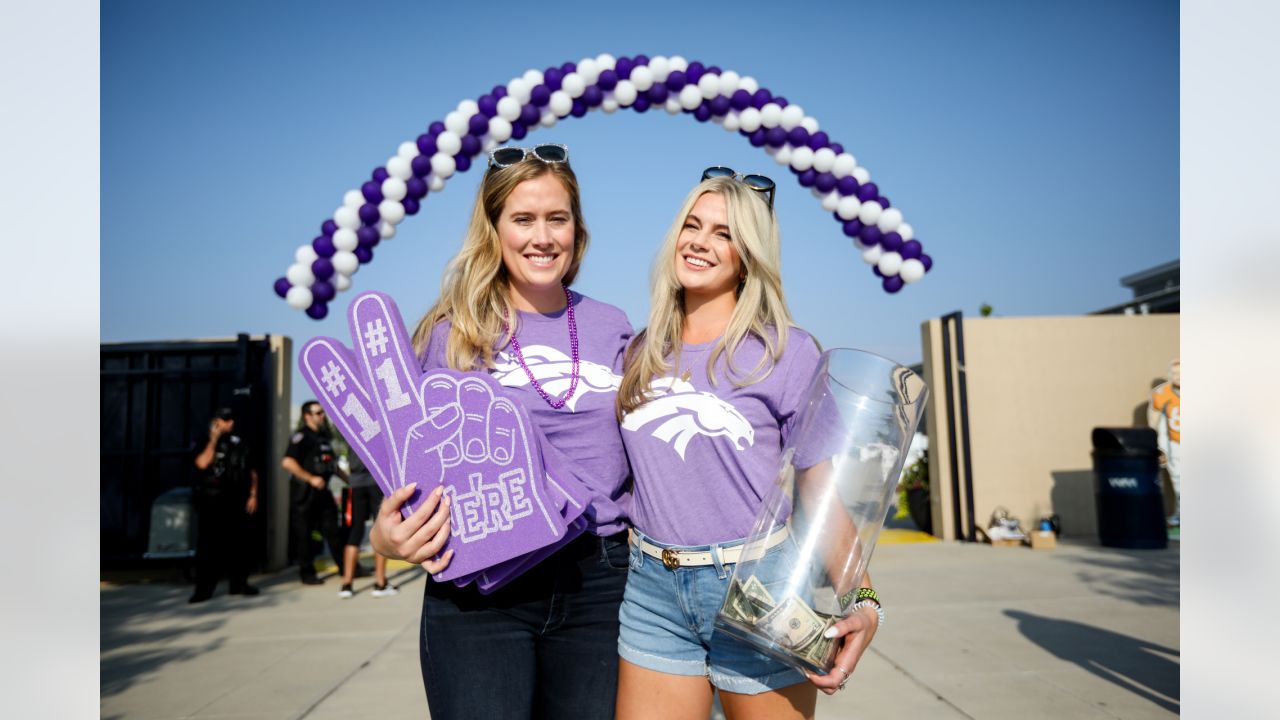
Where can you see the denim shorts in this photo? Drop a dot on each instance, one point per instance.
(668, 623)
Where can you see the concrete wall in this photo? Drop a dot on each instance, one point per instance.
(1037, 387)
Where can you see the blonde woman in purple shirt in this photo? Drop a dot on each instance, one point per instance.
(545, 645)
(711, 391)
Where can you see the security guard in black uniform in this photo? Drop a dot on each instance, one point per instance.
(311, 461)
(226, 494)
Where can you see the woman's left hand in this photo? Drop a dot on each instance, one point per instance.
(855, 633)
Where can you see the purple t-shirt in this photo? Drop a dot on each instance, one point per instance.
(704, 455)
(584, 434)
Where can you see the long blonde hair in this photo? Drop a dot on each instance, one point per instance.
(475, 291)
(760, 309)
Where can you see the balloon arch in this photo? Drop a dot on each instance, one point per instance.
(541, 98)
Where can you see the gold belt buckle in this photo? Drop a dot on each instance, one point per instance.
(670, 559)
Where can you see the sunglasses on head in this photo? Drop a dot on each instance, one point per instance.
(759, 183)
(507, 156)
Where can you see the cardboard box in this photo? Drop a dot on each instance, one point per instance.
(1010, 542)
(1043, 540)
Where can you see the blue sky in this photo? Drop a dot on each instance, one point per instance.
(1033, 146)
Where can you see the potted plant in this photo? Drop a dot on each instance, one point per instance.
(913, 487)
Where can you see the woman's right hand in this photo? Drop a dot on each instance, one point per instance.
(417, 538)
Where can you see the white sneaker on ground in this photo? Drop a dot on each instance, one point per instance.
(385, 590)
(346, 591)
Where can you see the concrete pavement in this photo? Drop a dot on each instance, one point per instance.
(972, 631)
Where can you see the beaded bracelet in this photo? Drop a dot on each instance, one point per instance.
(868, 602)
(863, 593)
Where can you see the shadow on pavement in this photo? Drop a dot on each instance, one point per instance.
(1145, 577)
(1141, 667)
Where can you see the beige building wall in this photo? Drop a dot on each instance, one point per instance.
(1037, 387)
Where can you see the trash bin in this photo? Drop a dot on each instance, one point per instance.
(1126, 464)
(173, 526)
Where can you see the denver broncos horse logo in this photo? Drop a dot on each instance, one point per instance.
(687, 413)
(552, 370)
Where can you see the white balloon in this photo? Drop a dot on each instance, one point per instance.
(468, 107)
(408, 150)
(560, 103)
(573, 84)
(589, 71)
(770, 150)
(548, 119)
(353, 199)
(750, 119)
(709, 86)
(848, 207)
(341, 282)
(443, 165)
(456, 123)
(518, 89)
(435, 183)
(783, 156)
(391, 211)
(642, 78)
(449, 143)
(824, 160)
(672, 106)
(809, 124)
(844, 165)
(346, 239)
(890, 219)
(869, 214)
(489, 143)
(508, 109)
(393, 188)
(299, 273)
(749, 84)
(345, 262)
(911, 271)
(625, 93)
(660, 67)
(791, 117)
(729, 82)
(690, 98)
(857, 242)
(731, 121)
(499, 131)
(386, 230)
(871, 255)
(861, 175)
(890, 263)
(802, 158)
(306, 255)
(299, 297)
(609, 104)
(831, 201)
(347, 217)
(907, 232)
(399, 168)
(816, 192)
(675, 62)
(770, 115)
(532, 78)
(605, 61)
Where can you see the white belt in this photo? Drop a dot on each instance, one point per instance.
(673, 559)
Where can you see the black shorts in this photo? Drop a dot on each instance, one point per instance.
(358, 504)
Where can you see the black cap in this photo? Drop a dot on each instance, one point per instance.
(225, 413)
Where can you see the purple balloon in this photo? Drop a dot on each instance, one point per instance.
(282, 286)
(498, 92)
(364, 254)
(623, 67)
(715, 70)
(658, 94)
(323, 245)
(884, 201)
(781, 101)
(757, 137)
(417, 187)
(421, 165)
(488, 106)
(825, 182)
(694, 72)
(868, 192)
(411, 206)
(910, 249)
(471, 145)
(852, 228)
(761, 98)
(847, 185)
(427, 144)
(369, 213)
(436, 128)
(818, 140)
(870, 235)
(798, 136)
(608, 80)
(808, 177)
(518, 130)
(836, 148)
(891, 241)
(322, 291)
(540, 95)
(593, 96)
(676, 80)
(478, 124)
(875, 270)
(368, 235)
(702, 113)
(926, 261)
(380, 174)
(568, 68)
(641, 60)
(529, 115)
(371, 191)
(741, 100)
(317, 311)
(776, 137)
(578, 109)
(719, 105)
(329, 227)
(552, 77)
(641, 104)
(892, 284)
(463, 161)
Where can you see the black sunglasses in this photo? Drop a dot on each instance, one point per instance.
(759, 183)
(548, 152)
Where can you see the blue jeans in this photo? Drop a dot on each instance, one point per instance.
(544, 646)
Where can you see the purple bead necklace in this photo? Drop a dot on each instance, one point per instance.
(573, 352)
